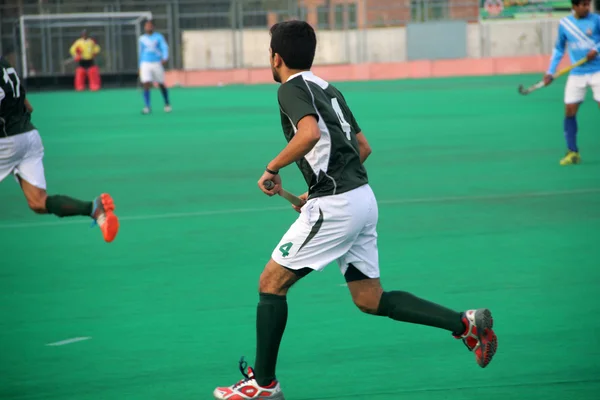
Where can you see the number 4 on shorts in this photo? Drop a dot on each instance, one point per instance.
(285, 249)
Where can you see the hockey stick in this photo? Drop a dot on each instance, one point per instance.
(295, 200)
(525, 91)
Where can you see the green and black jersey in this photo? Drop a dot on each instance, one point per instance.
(333, 166)
(14, 117)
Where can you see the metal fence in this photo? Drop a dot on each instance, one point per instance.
(219, 34)
(47, 47)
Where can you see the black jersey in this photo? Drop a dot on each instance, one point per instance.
(333, 166)
(14, 117)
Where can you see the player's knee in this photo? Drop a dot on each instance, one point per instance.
(571, 110)
(276, 279)
(270, 284)
(366, 292)
(37, 202)
(367, 303)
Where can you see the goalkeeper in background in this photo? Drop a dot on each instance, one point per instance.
(84, 50)
(154, 54)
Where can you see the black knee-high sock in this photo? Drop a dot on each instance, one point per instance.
(405, 307)
(165, 93)
(271, 318)
(64, 206)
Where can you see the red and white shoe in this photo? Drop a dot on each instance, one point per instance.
(104, 216)
(248, 388)
(479, 336)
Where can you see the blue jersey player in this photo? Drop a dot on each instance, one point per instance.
(579, 33)
(154, 54)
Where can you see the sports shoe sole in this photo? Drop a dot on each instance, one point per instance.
(110, 228)
(278, 396)
(485, 322)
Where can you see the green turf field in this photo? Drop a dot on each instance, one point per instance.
(474, 212)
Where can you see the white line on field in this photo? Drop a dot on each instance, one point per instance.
(69, 341)
(418, 200)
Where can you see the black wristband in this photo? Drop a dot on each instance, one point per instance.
(271, 171)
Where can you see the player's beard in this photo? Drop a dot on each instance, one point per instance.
(276, 76)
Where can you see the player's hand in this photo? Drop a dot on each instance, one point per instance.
(276, 180)
(302, 197)
(592, 54)
(164, 62)
(548, 79)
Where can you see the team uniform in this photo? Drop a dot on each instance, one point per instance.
(22, 153)
(85, 50)
(579, 36)
(153, 50)
(21, 148)
(338, 221)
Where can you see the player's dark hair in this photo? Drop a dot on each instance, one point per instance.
(295, 42)
(576, 2)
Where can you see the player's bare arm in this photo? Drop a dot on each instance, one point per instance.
(28, 106)
(306, 138)
(363, 147)
(302, 143)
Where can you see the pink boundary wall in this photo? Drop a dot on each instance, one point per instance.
(372, 71)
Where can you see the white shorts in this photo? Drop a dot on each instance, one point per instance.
(340, 228)
(22, 156)
(577, 85)
(152, 72)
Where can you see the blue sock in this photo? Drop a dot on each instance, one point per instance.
(147, 97)
(571, 133)
(165, 94)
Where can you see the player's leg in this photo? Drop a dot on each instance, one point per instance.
(271, 319)
(360, 266)
(94, 77)
(595, 84)
(30, 174)
(474, 327)
(146, 87)
(146, 81)
(160, 79)
(575, 91)
(323, 233)
(80, 74)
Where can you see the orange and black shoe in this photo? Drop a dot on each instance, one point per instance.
(104, 216)
(479, 336)
(248, 388)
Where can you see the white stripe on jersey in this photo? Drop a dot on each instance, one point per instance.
(319, 156)
(576, 32)
(579, 32)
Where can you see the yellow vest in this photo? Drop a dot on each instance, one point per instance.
(86, 49)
